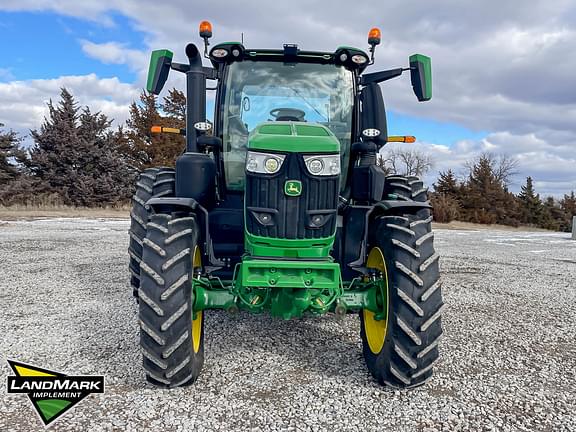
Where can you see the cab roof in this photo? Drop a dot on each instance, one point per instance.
(349, 57)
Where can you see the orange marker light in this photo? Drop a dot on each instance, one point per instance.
(403, 139)
(156, 129)
(205, 29)
(374, 36)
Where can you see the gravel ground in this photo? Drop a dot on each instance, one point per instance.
(508, 358)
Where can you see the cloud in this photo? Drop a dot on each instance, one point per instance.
(23, 103)
(116, 53)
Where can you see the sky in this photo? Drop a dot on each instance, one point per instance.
(504, 74)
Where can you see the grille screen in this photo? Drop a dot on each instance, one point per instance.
(271, 213)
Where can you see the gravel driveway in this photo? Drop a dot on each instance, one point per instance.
(508, 357)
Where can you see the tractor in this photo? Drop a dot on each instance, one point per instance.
(278, 206)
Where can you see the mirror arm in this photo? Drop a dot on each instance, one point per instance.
(210, 73)
(180, 67)
(378, 77)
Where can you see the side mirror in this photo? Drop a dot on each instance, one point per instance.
(421, 76)
(160, 62)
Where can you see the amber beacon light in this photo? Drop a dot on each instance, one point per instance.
(205, 29)
(374, 36)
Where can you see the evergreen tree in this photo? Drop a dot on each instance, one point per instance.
(484, 196)
(531, 208)
(447, 184)
(568, 207)
(77, 156)
(175, 107)
(568, 204)
(146, 149)
(552, 215)
(10, 156)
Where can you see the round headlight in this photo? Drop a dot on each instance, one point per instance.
(343, 57)
(359, 59)
(271, 165)
(219, 53)
(315, 166)
(236, 52)
(252, 164)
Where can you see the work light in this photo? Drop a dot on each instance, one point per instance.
(324, 165)
(264, 163)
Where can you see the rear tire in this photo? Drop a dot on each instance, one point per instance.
(152, 182)
(408, 348)
(171, 334)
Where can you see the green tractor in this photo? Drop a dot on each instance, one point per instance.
(279, 206)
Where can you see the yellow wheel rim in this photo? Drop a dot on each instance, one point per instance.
(196, 322)
(374, 330)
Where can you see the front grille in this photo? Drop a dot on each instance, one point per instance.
(291, 217)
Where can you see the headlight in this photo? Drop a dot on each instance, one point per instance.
(327, 165)
(271, 165)
(264, 163)
(315, 166)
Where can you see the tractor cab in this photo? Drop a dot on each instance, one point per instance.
(278, 205)
(258, 91)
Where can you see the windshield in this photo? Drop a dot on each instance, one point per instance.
(256, 92)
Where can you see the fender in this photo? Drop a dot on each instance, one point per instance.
(189, 205)
(356, 240)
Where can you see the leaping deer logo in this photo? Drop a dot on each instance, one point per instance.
(293, 188)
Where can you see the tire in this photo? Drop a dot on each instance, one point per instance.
(406, 188)
(172, 340)
(153, 182)
(400, 350)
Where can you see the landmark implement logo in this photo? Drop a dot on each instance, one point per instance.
(52, 393)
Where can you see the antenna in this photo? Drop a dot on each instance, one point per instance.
(242, 37)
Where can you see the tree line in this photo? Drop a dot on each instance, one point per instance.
(78, 159)
(481, 194)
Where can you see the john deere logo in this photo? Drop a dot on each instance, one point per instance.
(51, 393)
(293, 188)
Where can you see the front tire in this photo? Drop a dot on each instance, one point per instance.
(401, 349)
(171, 332)
(152, 182)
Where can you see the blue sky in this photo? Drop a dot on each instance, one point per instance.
(494, 87)
(48, 45)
